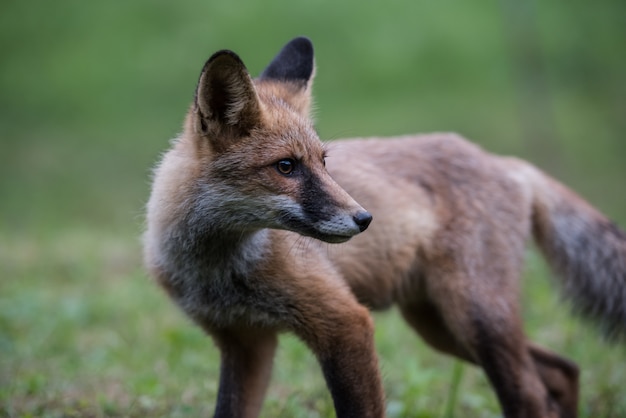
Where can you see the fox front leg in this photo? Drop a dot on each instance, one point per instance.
(343, 342)
(246, 367)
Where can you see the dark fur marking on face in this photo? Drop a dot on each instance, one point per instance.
(315, 201)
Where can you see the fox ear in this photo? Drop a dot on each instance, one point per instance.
(226, 102)
(294, 63)
(294, 67)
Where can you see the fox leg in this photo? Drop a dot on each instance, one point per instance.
(479, 321)
(425, 318)
(500, 349)
(560, 377)
(344, 346)
(340, 331)
(507, 365)
(246, 366)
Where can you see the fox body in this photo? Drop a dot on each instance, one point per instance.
(253, 228)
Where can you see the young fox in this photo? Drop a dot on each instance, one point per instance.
(246, 200)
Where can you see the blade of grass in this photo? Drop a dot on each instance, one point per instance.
(453, 394)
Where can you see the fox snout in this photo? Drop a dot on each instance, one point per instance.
(362, 219)
(340, 227)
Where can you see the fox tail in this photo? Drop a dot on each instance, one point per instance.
(586, 250)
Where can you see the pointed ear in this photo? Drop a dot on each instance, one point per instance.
(226, 102)
(294, 67)
(294, 63)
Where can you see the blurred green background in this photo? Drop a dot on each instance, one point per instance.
(91, 93)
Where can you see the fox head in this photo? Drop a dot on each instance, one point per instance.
(259, 162)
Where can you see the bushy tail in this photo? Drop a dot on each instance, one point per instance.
(586, 250)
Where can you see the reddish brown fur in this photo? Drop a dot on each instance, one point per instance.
(225, 239)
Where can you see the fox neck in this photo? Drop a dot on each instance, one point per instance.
(221, 253)
(205, 272)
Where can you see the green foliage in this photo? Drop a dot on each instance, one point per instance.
(91, 92)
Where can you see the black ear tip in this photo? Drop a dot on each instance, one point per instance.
(302, 44)
(294, 62)
(223, 56)
(301, 47)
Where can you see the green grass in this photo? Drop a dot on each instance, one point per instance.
(83, 332)
(91, 92)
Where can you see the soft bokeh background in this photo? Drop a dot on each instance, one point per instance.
(91, 92)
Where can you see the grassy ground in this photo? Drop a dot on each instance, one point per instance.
(83, 332)
(90, 93)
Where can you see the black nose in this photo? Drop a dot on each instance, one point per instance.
(362, 219)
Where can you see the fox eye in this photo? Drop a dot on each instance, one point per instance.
(285, 166)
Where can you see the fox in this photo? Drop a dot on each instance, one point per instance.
(253, 229)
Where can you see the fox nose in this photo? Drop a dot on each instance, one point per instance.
(362, 219)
